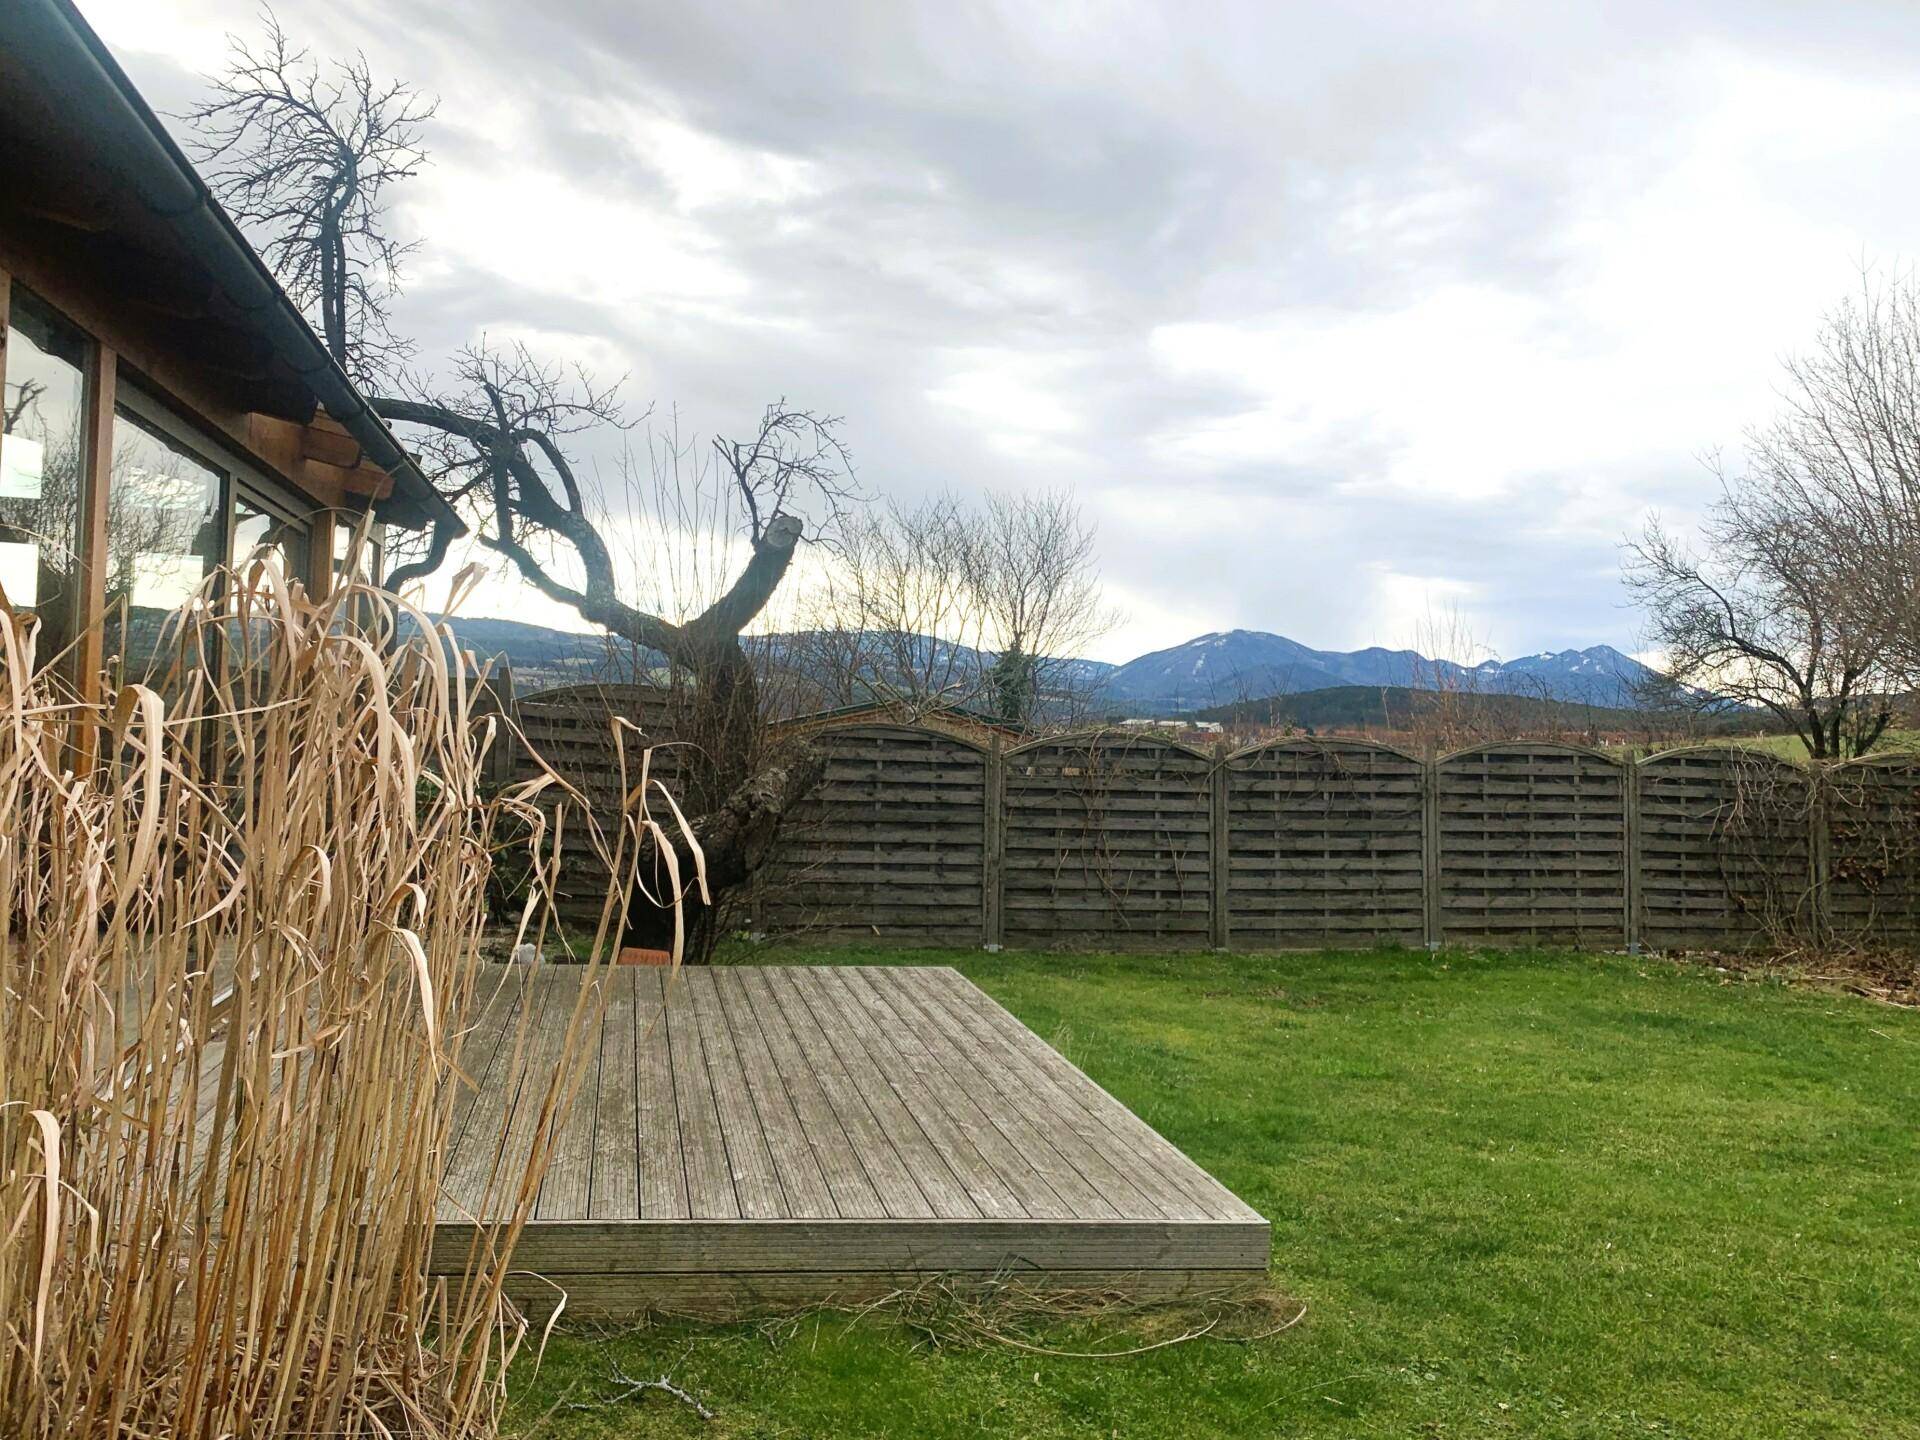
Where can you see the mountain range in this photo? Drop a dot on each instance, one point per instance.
(1207, 671)
(1234, 665)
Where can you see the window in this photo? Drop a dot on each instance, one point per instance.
(180, 505)
(361, 563)
(165, 527)
(42, 467)
(256, 524)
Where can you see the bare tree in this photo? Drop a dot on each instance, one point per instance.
(1805, 598)
(1037, 587)
(305, 154)
(1844, 455)
(1446, 707)
(896, 619)
(1763, 617)
(950, 603)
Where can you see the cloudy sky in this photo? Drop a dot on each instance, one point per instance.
(1336, 317)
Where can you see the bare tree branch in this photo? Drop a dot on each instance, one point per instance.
(302, 153)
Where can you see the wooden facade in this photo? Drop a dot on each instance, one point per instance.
(136, 323)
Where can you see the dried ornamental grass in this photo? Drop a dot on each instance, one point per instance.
(243, 904)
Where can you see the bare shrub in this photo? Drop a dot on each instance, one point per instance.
(241, 959)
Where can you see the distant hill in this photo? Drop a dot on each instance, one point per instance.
(1206, 672)
(541, 657)
(1393, 708)
(1219, 669)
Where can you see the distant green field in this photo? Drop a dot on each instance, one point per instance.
(1787, 747)
(1791, 747)
(1521, 1195)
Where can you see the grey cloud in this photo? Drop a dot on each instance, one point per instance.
(1001, 179)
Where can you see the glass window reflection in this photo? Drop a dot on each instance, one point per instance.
(42, 467)
(165, 518)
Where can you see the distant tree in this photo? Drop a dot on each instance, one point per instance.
(956, 603)
(1761, 616)
(306, 154)
(1804, 595)
(1036, 583)
(1013, 684)
(1843, 455)
(894, 619)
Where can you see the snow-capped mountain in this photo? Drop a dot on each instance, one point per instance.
(1237, 665)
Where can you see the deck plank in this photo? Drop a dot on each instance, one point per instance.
(1024, 1119)
(756, 1182)
(1076, 1103)
(1025, 1077)
(893, 1180)
(937, 1096)
(936, 1172)
(566, 1187)
(742, 1246)
(661, 1153)
(848, 1182)
(802, 1181)
(545, 1050)
(1133, 1137)
(473, 1163)
(499, 998)
(710, 1190)
(614, 1192)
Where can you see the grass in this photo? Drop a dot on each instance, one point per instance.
(1782, 747)
(1792, 747)
(1522, 1194)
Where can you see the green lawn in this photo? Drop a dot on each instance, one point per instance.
(1529, 1195)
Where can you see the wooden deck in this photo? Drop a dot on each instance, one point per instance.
(753, 1138)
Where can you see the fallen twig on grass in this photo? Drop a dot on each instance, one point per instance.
(636, 1388)
(968, 1311)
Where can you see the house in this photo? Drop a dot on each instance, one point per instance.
(166, 407)
(1184, 728)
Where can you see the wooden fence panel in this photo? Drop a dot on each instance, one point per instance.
(1324, 845)
(919, 837)
(571, 729)
(1873, 819)
(892, 845)
(1108, 840)
(1726, 849)
(1532, 846)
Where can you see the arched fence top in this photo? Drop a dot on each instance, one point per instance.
(1121, 741)
(591, 691)
(1722, 750)
(895, 729)
(1309, 745)
(1881, 760)
(1532, 747)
